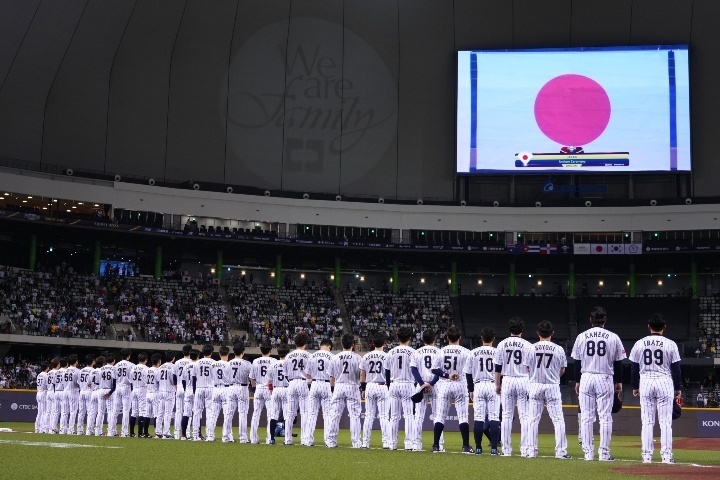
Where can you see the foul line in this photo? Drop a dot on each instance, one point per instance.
(52, 444)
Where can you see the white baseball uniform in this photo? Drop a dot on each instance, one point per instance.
(179, 370)
(545, 370)
(151, 400)
(346, 374)
(72, 397)
(377, 396)
(486, 402)
(138, 396)
(260, 373)
(597, 349)
(654, 356)
(422, 359)
(92, 410)
(86, 390)
(165, 399)
(217, 399)
(204, 384)
(50, 402)
(61, 406)
(188, 400)
(42, 385)
(279, 397)
(296, 363)
(122, 397)
(512, 359)
(320, 393)
(401, 389)
(451, 360)
(107, 376)
(237, 397)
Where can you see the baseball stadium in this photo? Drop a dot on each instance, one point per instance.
(355, 238)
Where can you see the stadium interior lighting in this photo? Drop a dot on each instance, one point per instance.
(332, 277)
(362, 279)
(601, 283)
(212, 270)
(479, 282)
(660, 283)
(272, 274)
(302, 275)
(539, 282)
(422, 280)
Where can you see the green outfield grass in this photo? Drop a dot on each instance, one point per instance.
(33, 456)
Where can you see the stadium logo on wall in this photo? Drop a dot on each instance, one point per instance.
(326, 91)
(550, 187)
(14, 406)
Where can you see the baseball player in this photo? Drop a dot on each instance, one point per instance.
(259, 379)
(278, 385)
(320, 392)
(61, 412)
(72, 393)
(202, 383)
(548, 365)
(657, 380)
(296, 364)
(50, 396)
(237, 395)
(448, 365)
(188, 374)
(373, 386)
(218, 369)
(598, 355)
(122, 394)
(512, 360)
(105, 392)
(480, 376)
(42, 385)
(95, 399)
(138, 394)
(165, 397)
(345, 376)
(152, 382)
(400, 378)
(86, 389)
(179, 368)
(421, 368)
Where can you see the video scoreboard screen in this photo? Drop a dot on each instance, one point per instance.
(615, 109)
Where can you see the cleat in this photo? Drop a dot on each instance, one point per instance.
(467, 449)
(183, 438)
(668, 460)
(271, 441)
(494, 451)
(563, 457)
(288, 442)
(478, 451)
(331, 445)
(607, 459)
(436, 449)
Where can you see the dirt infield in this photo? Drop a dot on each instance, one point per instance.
(679, 472)
(697, 444)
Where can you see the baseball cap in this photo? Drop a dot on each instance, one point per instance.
(617, 403)
(417, 397)
(677, 409)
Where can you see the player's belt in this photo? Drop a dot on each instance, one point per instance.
(378, 383)
(484, 381)
(403, 381)
(320, 380)
(293, 379)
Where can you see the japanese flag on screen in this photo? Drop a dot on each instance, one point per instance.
(599, 248)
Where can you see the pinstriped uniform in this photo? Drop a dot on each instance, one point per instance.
(179, 370)
(346, 372)
(451, 360)
(320, 393)
(654, 354)
(402, 387)
(422, 359)
(548, 361)
(597, 349)
(122, 396)
(513, 356)
(202, 400)
(296, 364)
(237, 398)
(41, 381)
(377, 397)
(480, 365)
(138, 396)
(218, 370)
(85, 394)
(72, 394)
(279, 399)
(260, 373)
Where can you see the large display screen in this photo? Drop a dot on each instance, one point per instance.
(616, 109)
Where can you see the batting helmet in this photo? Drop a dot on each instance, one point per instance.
(617, 403)
(677, 409)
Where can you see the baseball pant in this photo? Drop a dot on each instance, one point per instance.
(452, 392)
(237, 397)
(62, 416)
(320, 396)
(297, 398)
(377, 402)
(216, 403)
(83, 410)
(49, 407)
(261, 399)
(597, 392)
(121, 404)
(201, 401)
(280, 404)
(164, 400)
(514, 392)
(40, 417)
(188, 410)
(73, 399)
(420, 409)
(548, 394)
(657, 393)
(346, 394)
(92, 409)
(138, 402)
(402, 405)
(150, 404)
(102, 404)
(179, 410)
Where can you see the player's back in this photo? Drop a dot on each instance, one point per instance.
(107, 375)
(514, 355)
(480, 364)
(95, 378)
(295, 364)
(346, 368)
(138, 376)
(41, 381)
(60, 379)
(277, 375)
(319, 365)
(260, 371)
(654, 354)
(373, 364)
(180, 370)
(151, 379)
(549, 360)
(398, 362)
(238, 372)
(122, 372)
(165, 378)
(85, 378)
(72, 376)
(423, 360)
(597, 349)
(219, 373)
(451, 359)
(203, 373)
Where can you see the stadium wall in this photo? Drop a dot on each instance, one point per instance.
(353, 97)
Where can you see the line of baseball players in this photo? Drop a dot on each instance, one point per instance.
(397, 384)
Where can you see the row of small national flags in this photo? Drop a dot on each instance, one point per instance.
(607, 249)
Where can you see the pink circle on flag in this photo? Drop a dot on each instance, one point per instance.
(572, 110)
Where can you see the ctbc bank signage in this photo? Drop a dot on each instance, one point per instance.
(17, 406)
(708, 424)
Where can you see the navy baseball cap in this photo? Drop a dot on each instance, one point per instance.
(617, 403)
(677, 409)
